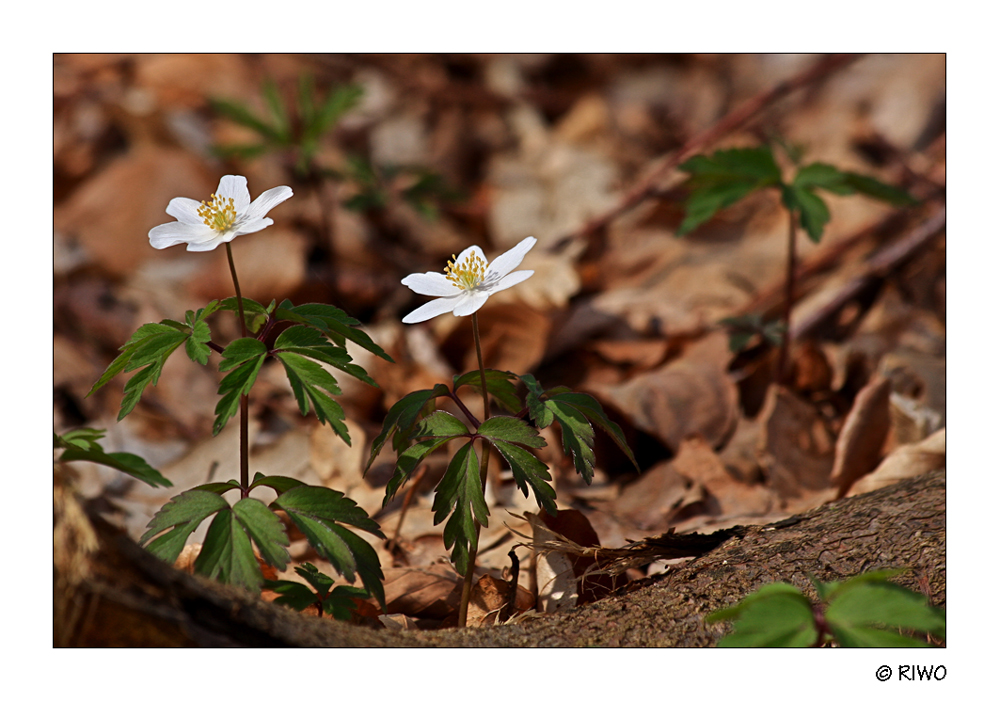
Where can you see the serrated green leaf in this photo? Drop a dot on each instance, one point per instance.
(460, 494)
(529, 470)
(254, 313)
(321, 582)
(592, 410)
(402, 419)
(440, 424)
(227, 555)
(822, 175)
(511, 429)
(724, 178)
(291, 594)
(241, 114)
(133, 389)
(777, 614)
(872, 187)
(197, 343)
(813, 212)
(332, 321)
(857, 610)
(243, 359)
(85, 438)
(311, 384)
(498, 385)
(219, 488)
(278, 483)
(337, 103)
(309, 341)
(407, 463)
(181, 516)
(127, 463)
(319, 513)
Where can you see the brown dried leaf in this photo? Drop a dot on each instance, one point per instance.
(905, 462)
(271, 265)
(859, 446)
(650, 501)
(489, 595)
(429, 593)
(691, 395)
(796, 446)
(112, 212)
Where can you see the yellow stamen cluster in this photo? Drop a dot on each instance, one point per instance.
(219, 214)
(467, 275)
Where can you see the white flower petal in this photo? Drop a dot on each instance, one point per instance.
(254, 226)
(430, 284)
(432, 309)
(171, 233)
(506, 262)
(205, 245)
(470, 302)
(185, 210)
(233, 186)
(510, 280)
(460, 259)
(266, 201)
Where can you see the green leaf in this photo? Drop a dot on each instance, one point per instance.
(407, 463)
(863, 613)
(866, 185)
(241, 114)
(312, 384)
(813, 212)
(278, 483)
(498, 385)
(127, 463)
(511, 429)
(227, 554)
(243, 359)
(149, 346)
(254, 313)
(528, 470)
(197, 344)
(402, 418)
(319, 513)
(822, 175)
(724, 178)
(440, 424)
(337, 104)
(577, 434)
(308, 341)
(292, 594)
(333, 322)
(777, 614)
(460, 493)
(84, 438)
(181, 516)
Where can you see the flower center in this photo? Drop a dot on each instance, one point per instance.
(218, 214)
(467, 275)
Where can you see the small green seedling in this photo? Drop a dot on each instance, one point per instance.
(338, 601)
(865, 611)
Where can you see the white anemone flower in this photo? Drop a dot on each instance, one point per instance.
(467, 282)
(229, 214)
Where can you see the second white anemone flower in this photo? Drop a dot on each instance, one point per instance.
(229, 214)
(467, 282)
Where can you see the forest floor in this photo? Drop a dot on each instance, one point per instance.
(579, 151)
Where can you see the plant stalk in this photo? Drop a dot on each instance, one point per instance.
(244, 399)
(463, 609)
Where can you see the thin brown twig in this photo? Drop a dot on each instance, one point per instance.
(732, 121)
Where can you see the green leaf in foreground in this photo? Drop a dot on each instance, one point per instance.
(460, 494)
(227, 554)
(149, 348)
(498, 384)
(177, 519)
(337, 602)
(510, 435)
(312, 384)
(320, 514)
(81, 445)
(777, 614)
(402, 418)
(868, 610)
(242, 359)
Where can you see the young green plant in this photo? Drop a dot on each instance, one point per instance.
(314, 333)
(726, 177)
(417, 428)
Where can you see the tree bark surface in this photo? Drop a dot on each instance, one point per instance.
(121, 595)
